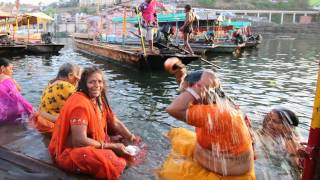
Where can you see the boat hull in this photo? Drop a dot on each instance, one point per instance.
(44, 48)
(12, 49)
(220, 48)
(129, 55)
(251, 44)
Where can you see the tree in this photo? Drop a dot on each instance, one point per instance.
(84, 10)
(207, 2)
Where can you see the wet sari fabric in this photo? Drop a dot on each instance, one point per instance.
(101, 163)
(52, 100)
(223, 130)
(181, 165)
(12, 104)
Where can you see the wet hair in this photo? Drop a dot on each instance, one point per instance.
(212, 94)
(178, 66)
(82, 85)
(4, 62)
(287, 115)
(187, 7)
(64, 71)
(193, 77)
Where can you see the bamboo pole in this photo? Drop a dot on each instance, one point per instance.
(207, 22)
(124, 28)
(141, 34)
(28, 30)
(310, 163)
(15, 28)
(7, 26)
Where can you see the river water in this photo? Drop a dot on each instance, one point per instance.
(279, 72)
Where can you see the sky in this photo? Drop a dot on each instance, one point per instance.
(34, 2)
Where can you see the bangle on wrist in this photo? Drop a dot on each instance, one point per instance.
(101, 144)
(193, 93)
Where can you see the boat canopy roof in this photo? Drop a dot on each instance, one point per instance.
(236, 24)
(35, 18)
(161, 18)
(181, 17)
(4, 15)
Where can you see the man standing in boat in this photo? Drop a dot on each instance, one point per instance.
(187, 28)
(148, 9)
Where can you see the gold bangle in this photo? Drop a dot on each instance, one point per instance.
(101, 144)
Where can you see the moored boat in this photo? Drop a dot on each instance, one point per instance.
(131, 55)
(216, 48)
(44, 48)
(36, 42)
(12, 49)
(8, 47)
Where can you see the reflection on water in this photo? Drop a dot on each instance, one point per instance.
(279, 72)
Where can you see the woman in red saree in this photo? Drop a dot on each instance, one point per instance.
(80, 141)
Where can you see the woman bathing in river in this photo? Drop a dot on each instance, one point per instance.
(13, 105)
(55, 95)
(278, 137)
(222, 143)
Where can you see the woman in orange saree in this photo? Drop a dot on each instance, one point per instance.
(80, 142)
(220, 147)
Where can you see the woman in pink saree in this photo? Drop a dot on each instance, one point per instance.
(13, 106)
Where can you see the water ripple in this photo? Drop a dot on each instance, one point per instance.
(279, 72)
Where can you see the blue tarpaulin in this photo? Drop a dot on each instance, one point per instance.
(161, 18)
(236, 24)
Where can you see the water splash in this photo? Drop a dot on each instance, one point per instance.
(228, 133)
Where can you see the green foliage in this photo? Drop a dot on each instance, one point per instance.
(50, 11)
(291, 4)
(257, 4)
(314, 2)
(84, 10)
(207, 2)
(88, 10)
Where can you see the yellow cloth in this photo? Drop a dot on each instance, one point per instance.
(180, 165)
(54, 97)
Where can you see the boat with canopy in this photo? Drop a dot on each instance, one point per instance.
(7, 45)
(34, 41)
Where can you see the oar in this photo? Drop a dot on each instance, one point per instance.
(176, 46)
(202, 59)
(140, 31)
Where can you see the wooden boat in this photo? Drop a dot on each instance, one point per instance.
(8, 47)
(130, 55)
(251, 44)
(43, 48)
(215, 48)
(27, 167)
(37, 42)
(12, 49)
(225, 48)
